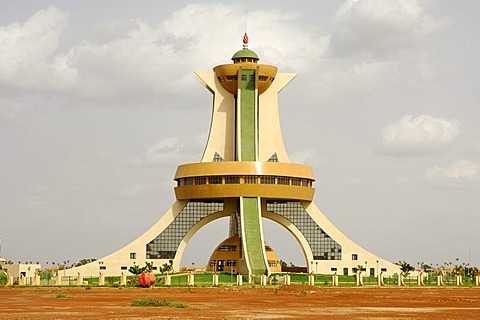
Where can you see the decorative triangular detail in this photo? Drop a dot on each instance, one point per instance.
(217, 158)
(273, 158)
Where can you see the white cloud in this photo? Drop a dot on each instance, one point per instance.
(460, 171)
(132, 62)
(378, 28)
(138, 59)
(29, 57)
(420, 135)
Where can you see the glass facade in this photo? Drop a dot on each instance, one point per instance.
(322, 246)
(165, 245)
(248, 179)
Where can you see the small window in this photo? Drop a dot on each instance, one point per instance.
(334, 269)
(354, 256)
(232, 179)
(384, 269)
(213, 263)
(295, 181)
(231, 77)
(267, 180)
(200, 180)
(345, 271)
(231, 263)
(252, 77)
(272, 263)
(227, 248)
(123, 268)
(304, 183)
(283, 180)
(221, 78)
(250, 179)
(154, 268)
(189, 181)
(181, 182)
(215, 180)
(133, 255)
(103, 267)
(244, 77)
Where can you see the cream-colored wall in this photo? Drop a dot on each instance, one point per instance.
(348, 248)
(121, 257)
(15, 269)
(221, 136)
(270, 133)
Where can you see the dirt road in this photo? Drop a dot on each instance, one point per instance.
(293, 302)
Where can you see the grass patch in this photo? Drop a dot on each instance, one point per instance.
(63, 296)
(152, 302)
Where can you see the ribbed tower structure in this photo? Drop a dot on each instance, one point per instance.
(244, 174)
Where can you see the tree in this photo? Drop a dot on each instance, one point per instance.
(166, 267)
(84, 261)
(405, 267)
(426, 268)
(136, 270)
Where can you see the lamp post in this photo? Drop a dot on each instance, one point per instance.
(311, 266)
(366, 272)
(377, 269)
(316, 267)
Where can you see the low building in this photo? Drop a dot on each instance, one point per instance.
(16, 270)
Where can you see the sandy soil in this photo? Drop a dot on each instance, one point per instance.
(293, 302)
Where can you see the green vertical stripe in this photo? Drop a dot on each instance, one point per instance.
(254, 246)
(247, 116)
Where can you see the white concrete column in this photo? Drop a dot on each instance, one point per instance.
(459, 280)
(359, 278)
(168, 280)
(420, 279)
(440, 279)
(239, 280)
(311, 280)
(58, 279)
(101, 279)
(477, 280)
(123, 279)
(215, 279)
(380, 282)
(23, 280)
(263, 280)
(335, 279)
(36, 279)
(191, 279)
(9, 280)
(79, 279)
(401, 283)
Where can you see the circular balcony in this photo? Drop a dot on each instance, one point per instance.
(269, 180)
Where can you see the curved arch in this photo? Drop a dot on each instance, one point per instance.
(195, 228)
(302, 241)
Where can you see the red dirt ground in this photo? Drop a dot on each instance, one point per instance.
(293, 302)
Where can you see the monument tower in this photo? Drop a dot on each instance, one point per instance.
(244, 174)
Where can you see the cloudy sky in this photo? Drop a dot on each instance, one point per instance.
(99, 105)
